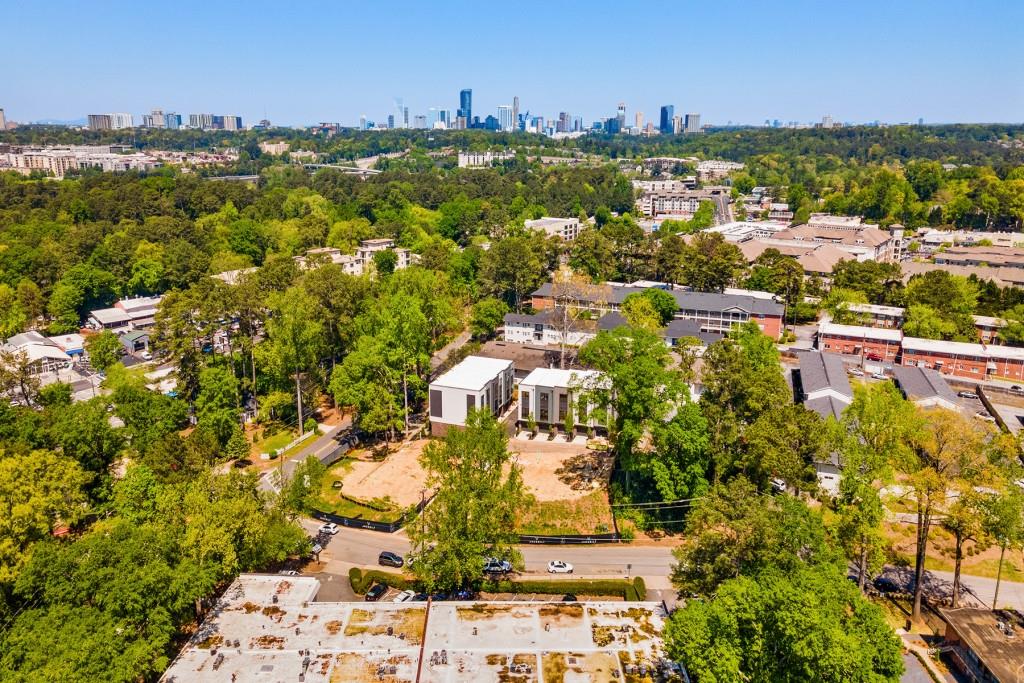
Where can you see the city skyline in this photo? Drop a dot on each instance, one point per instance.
(350, 64)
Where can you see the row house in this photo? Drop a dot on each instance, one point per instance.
(872, 343)
(960, 359)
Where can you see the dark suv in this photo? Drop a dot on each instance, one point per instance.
(376, 592)
(389, 559)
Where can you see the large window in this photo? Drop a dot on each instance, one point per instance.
(524, 403)
(563, 406)
(470, 403)
(545, 409)
(435, 403)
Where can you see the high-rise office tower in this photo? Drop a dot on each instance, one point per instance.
(505, 117)
(405, 117)
(621, 115)
(172, 121)
(515, 112)
(826, 121)
(3, 120)
(667, 113)
(638, 120)
(466, 105)
(362, 122)
(564, 123)
(419, 121)
(677, 125)
(391, 120)
(691, 124)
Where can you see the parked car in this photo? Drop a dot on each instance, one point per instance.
(493, 565)
(390, 559)
(288, 572)
(983, 415)
(873, 356)
(1017, 389)
(404, 596)
(878, 375)
(569, 597)
(376, 592)
(146, 355)
(966, 394)
(559, 567)
(329, 528)
(856, 372)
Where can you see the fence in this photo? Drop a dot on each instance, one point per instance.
(369, 524)
(571, 539)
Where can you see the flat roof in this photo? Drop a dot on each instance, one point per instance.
(556, 377)
(473, 373)
(430, 642)
(859, 331)
(951, 348)
(894, 311)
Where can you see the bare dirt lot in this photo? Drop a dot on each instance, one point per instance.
(555, 470)
(398, 477)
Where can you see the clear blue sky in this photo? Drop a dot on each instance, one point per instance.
(730, 60)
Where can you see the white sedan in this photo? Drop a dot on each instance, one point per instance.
(559, 567)
(404, 596)
(329, 528)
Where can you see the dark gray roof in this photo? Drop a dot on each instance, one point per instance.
(919, 383)
(827, 405)
(680, 327)
(699, 301)
(542, 318)
(609, 321)
(823, 371)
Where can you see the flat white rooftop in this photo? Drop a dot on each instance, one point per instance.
(347, 642)
(556, 377)
(472, 374)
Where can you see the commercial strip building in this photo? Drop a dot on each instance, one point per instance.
(125, 315)
(272, 628)
(716, 312)
(42, 354)
(475, 383)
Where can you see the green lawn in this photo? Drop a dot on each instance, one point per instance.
(588, 515)
(331, 500)
(297, 448)
(276, 441)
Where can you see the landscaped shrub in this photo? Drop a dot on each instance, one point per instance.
(355, 579)
(608, 587)
(387, 578)
(640, 588)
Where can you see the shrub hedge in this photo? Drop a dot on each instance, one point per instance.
(634, 590)
(361, 581)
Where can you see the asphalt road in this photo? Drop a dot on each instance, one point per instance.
(355, 547)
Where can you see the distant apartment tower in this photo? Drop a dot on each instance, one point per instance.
(677, 125)
(667, 114)
(515, 112)
(232, 122)
(419, 121)
(154, 119)
(201, 121)
(638, 120)
(826, 121)
(564, 124)
(691, 124)
(620, 115)
(99, 122)
(3, 120)
(466, 106)
(121, 120)
(505, 117)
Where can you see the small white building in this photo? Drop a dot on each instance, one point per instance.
(549, 393)
(567, 229)
(475, 383)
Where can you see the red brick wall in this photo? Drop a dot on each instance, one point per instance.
(831, 343)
